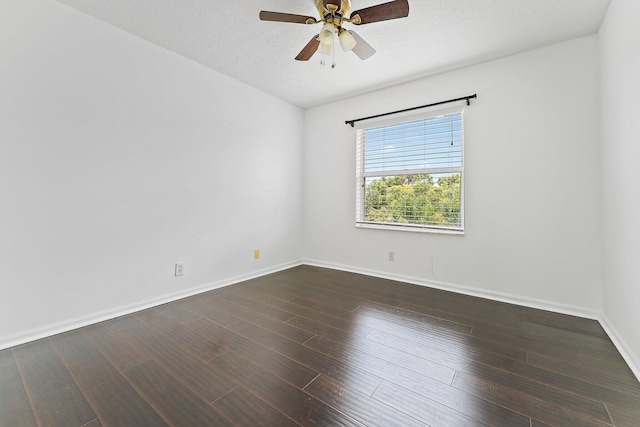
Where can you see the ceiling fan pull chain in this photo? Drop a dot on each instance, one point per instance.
(333, 51)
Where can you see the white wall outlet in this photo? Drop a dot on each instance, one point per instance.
(392, 256)
(179, 269)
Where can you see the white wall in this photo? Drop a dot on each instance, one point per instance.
(118, 159)
(620, 52)
(532, 183)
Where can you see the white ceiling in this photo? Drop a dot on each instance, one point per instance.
(438, 35)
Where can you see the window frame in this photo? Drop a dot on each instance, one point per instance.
(361, 175)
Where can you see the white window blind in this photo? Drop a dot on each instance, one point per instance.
(410, 174)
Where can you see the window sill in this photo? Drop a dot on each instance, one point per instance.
(410, 229)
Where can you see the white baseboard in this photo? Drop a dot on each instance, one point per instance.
(628, 355)
(71, 324)
(445, 286)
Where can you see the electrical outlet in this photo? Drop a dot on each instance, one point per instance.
(256, 254)
(392, 256)
(179, 269)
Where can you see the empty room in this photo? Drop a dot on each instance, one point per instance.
(319, 213)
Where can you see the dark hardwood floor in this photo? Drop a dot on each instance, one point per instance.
(317, 347)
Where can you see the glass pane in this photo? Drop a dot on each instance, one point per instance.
(430, 200)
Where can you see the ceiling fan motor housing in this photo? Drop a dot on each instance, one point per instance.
(328, 9)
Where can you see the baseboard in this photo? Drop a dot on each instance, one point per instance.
(627, 354)
(445, 286)
(71, 324)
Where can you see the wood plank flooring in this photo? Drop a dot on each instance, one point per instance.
(317, 347)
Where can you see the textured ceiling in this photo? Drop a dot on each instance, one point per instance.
(438, 35)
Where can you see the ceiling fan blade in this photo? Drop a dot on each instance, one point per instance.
(382, 12)
(307, 52)
(362, 48)
(286, 17)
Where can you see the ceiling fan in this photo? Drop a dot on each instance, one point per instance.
(333, 14)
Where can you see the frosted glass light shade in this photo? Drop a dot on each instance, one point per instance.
(325, 49)
(347, 41)
(326, 35)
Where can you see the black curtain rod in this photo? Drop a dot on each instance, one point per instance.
(464, 98)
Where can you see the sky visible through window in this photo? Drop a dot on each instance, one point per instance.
(420, 144)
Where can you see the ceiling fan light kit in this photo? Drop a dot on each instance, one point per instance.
(333, 14)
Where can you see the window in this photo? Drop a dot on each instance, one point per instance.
(410, 173)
